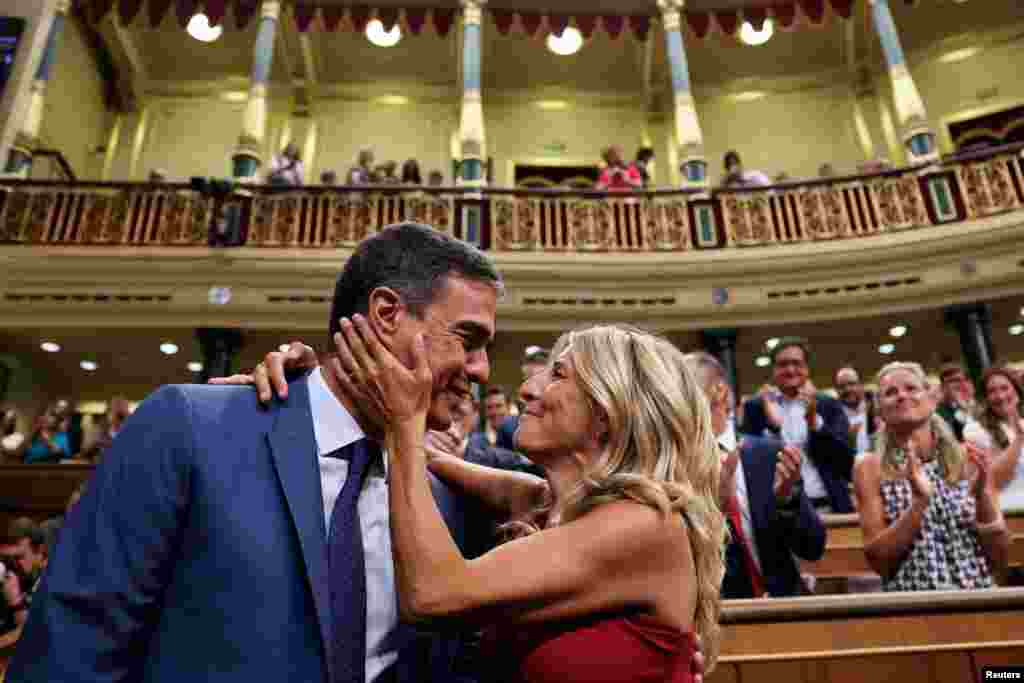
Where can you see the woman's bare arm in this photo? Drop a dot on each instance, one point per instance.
(511, 493)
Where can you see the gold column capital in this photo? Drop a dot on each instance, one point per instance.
(472, 11)
(63, 6)
(270, 9)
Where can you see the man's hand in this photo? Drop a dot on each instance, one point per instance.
(727, 478)
(787, 472)
(269, 377)
(444, 442)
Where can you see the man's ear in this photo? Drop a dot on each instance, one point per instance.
(385, 311)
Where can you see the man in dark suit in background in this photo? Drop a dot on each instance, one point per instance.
(222, 541)
(815, 423)
(770, 517)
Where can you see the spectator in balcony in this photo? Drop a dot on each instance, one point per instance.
(411, 173)
(813, 422)
(1000, 430)
(859, 406)
(435, 179)
(770, 518)
(47, 444)
(958, 406)
(644, 157)
(362, 172)
(117, 412)
(617, 176)
(10, 438)
(928, 506)
(329, 178)
(736, 176)
(385, 174)
(286, 168)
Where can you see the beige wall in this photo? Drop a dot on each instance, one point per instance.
(418, 130)
(76, 120)
(38, 15)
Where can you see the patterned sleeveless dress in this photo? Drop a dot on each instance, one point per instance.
(946, 554)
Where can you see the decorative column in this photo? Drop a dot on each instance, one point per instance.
(113, 142)
(973, 322)
(220, 347)
(471, 123)
(912, 119)
(247, 157)
(721, 343)
(692, 161)
(19, 159)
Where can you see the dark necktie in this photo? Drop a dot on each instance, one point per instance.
(347, 571)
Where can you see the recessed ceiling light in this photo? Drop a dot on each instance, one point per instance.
(376, 34)
(393, 100)
(771, 343)
(751, 36)
(1017, 330)
(568, 43)
(50, 347)
(200, 29)
(959, 55)
(886, 348)
(898, 331)
(748, 96)
(195, 366)
(88, 365)
(762, 361)
(552, 105)
(169, 348)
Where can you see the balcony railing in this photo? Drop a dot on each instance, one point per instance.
(961, 188)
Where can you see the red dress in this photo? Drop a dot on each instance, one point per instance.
(634, 649)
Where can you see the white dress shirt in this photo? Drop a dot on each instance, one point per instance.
(727, 440)
(334, 427)
(859, 416)
(795, 433)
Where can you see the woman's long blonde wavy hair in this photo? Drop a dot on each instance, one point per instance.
(660, 450)
(948, 452)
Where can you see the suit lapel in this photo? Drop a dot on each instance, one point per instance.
(293, 448)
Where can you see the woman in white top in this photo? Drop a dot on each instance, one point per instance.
(1000, 428)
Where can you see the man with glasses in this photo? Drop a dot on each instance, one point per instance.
(815, 423)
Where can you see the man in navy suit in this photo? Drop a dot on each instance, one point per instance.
(221, 541)
(815, 423)
(770, 517)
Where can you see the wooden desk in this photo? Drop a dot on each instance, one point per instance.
(844, 548)
(939, 637)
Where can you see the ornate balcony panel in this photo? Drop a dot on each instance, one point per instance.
(992, 185)
(103, 215)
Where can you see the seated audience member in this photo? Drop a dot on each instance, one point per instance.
(411, 173)
(770, 517)
(46, 444)
(859, 406)
(14, 605)
(117, 412)
(25, 551)
(385, 173)
(644, 157)
(735, 176)
(1000, 430)
(495, 411)
(928, 506)
(457, 441)
(535, 359)
(616, 175)
(958, 406)
(362, 172)
(435, 179)
(329, 178)
(286, 168)
(815, 423)
(10, 438)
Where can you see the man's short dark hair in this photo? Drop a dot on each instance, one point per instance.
(414, 260)
(950, 369)
(731, 156)
(496, 391)
(789, 343)
(23, 527)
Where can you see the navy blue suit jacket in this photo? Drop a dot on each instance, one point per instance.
(199, 552)
(777, 535)
(828, 448)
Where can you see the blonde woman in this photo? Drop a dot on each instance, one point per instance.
(930, 518)
(616, 558)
